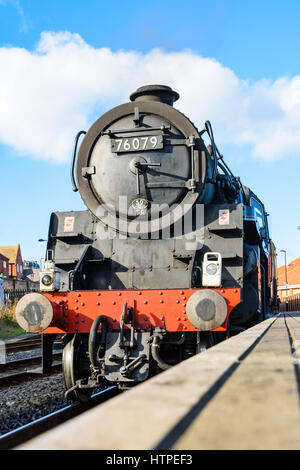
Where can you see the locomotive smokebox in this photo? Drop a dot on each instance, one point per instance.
(160, 93)
(206, 309)
(34, 312)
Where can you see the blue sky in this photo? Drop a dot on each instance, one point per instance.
(251, 52)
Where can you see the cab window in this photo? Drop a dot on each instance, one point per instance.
(258, 210)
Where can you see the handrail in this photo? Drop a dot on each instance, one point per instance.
(74, 159)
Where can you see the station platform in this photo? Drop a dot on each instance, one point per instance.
(241, 394)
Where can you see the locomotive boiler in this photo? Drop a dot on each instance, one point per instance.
(172, 255)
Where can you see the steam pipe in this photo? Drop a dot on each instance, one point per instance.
(93, 339)
(155, 354)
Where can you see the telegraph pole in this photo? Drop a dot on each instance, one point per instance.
(286, 281)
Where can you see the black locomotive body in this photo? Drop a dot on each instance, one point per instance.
(172, 255)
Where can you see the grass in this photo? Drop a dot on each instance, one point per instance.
(8, 325)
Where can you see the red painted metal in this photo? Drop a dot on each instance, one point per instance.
(75, 311)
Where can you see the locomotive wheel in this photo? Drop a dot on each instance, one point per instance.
(71, 372)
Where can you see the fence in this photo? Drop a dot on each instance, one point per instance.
(290, 304)
(16, 294)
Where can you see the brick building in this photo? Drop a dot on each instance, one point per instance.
(4, 266)
(293, 279)
(14, 259)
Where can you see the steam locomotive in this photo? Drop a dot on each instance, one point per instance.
(172, 255)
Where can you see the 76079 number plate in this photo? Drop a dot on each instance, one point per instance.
(137, 144)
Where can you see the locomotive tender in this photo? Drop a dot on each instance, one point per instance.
(172, 255)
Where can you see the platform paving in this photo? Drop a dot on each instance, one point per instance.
(258, 408)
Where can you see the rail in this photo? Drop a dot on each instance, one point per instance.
(33, 429)
(23, 345)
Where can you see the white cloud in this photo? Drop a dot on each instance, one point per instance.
(49, 94)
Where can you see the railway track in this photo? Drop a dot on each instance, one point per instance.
(25, 362)
(27, 344)
(34, 342)
(21, 370)
(33, 429)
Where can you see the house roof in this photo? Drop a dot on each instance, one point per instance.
(3, 256)
(33, 274)
(293, 273)
(10, 252)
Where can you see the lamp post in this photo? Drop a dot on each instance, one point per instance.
(41, 240)
(286, 281)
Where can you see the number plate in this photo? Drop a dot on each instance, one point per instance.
(137, 144)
